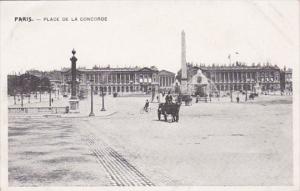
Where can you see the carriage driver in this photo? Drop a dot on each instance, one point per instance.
(169, 98)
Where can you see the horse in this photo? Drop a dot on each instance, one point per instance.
(252, 96)
(169, 109)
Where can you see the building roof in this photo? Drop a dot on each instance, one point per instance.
(109, 69)
(237, 66)
(165, 72)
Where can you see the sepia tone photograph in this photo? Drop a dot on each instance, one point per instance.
(129, 94)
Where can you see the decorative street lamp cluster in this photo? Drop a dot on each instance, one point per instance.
(73, 100)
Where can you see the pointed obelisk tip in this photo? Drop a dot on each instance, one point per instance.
(182, 32)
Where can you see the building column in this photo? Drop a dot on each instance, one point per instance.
(167, 81)
(228, 77)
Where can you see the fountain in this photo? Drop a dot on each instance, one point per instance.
(200, 84)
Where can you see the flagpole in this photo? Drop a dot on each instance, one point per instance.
(229, 57)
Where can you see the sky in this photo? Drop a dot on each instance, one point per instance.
(148, 33)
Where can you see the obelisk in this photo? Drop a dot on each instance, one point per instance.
(183, 85)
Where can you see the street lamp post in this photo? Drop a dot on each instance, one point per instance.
(21, 98)
(219, 91)
(50, 97)
(102, 94)
(40, 95)
(246, 97)
(247, 86)
(15, 97)
(230, 94)
(92, 107)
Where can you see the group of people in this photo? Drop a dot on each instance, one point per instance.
(168, 100)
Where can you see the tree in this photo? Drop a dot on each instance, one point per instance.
(45, 84)
(12, 81)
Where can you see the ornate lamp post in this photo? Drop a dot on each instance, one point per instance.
(92, 103)
(230, 93)
(102, 94)
(247, 85)
(15, 97)
(50, 95)
(74, 102)
(22, 98)
(73, 73)
(40, 87)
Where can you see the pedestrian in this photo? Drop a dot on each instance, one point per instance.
(237, 99)
(146, 107)
(169, 98)
(52, 100)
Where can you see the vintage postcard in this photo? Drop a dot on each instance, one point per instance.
(150, 95)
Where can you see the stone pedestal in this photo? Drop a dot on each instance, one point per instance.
(74, 106)
(184, 87)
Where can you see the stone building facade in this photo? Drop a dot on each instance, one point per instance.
(127, 80)
(166, 80)
(239, 76)
(286, 80)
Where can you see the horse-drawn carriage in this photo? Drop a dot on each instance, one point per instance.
(253, 95)
(166, 109)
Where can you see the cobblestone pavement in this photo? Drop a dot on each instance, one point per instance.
(210, 145)
(50, 152)
(122, 173)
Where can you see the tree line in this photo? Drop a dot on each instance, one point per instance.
(26, 84)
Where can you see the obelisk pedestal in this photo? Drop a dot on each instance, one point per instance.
(73, 101)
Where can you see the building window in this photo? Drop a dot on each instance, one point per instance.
(141, 78)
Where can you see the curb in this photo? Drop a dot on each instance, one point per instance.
(86, 116)
(59, 116)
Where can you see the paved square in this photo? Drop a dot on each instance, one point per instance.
(210, 145)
